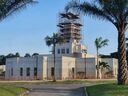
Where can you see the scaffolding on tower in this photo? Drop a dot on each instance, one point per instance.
(70, 26)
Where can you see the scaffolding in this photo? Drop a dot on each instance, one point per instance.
(70, 26)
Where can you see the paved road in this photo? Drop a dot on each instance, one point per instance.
(55, 90)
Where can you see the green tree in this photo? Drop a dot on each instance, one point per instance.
(17, 55)
(52, 41)
(2, 59)
(35, 54)
(99, 43)
(27, 55)
(116, 12)
(10, 55)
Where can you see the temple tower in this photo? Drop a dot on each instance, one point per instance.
(70, 28)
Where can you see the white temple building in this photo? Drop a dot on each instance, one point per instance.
(72, 59)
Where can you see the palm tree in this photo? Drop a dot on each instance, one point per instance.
(53, 40)
(99, 43)
(103, 66)
(7, 7)
(116, 12)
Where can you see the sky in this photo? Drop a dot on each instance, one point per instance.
(24, 31)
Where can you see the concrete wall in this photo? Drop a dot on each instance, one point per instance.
(64, 46)
(80, 68)
(73, 46)
(91, 68)
(68, 68)
(63, 67)
(58, 67)
(113, 63)
(87, 66)
(13, 66)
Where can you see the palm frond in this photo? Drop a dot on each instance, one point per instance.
(99, 42)
(55, 39)
(73, 5)
(104, 42)
(104, 65)
(7, 7)
(48, 41)
(88, 9)
(110, 10)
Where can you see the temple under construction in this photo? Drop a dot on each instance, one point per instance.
(72, 60)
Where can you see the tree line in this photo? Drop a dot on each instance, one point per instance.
(11, 55)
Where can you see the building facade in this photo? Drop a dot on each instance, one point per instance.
(72, 60)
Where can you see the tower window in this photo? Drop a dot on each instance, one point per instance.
(63, 51)
(21, 71)
(58, 51)
(28, 72)
(67, 51)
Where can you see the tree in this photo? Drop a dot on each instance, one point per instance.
(116, 12)
(35, 54)
(53, 40)
(7, 7)
(103, 66)
(17, 55)
(27, 55)
(2, 59)
(10, 55)
(99, 43)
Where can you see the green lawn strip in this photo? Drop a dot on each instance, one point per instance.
(86, 82)
(11, 90)
(107, 90)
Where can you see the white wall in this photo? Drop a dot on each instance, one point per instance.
(68, 65)
(89, 63)
(63, 67)
(58, 66)
(113, 63)
(91, 67)
(25, 62)
(64, 46)
(73, 47)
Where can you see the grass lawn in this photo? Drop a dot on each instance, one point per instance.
(86, 82)
(107, 90)
(11, 91)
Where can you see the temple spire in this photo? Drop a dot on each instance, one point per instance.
(70, 26)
